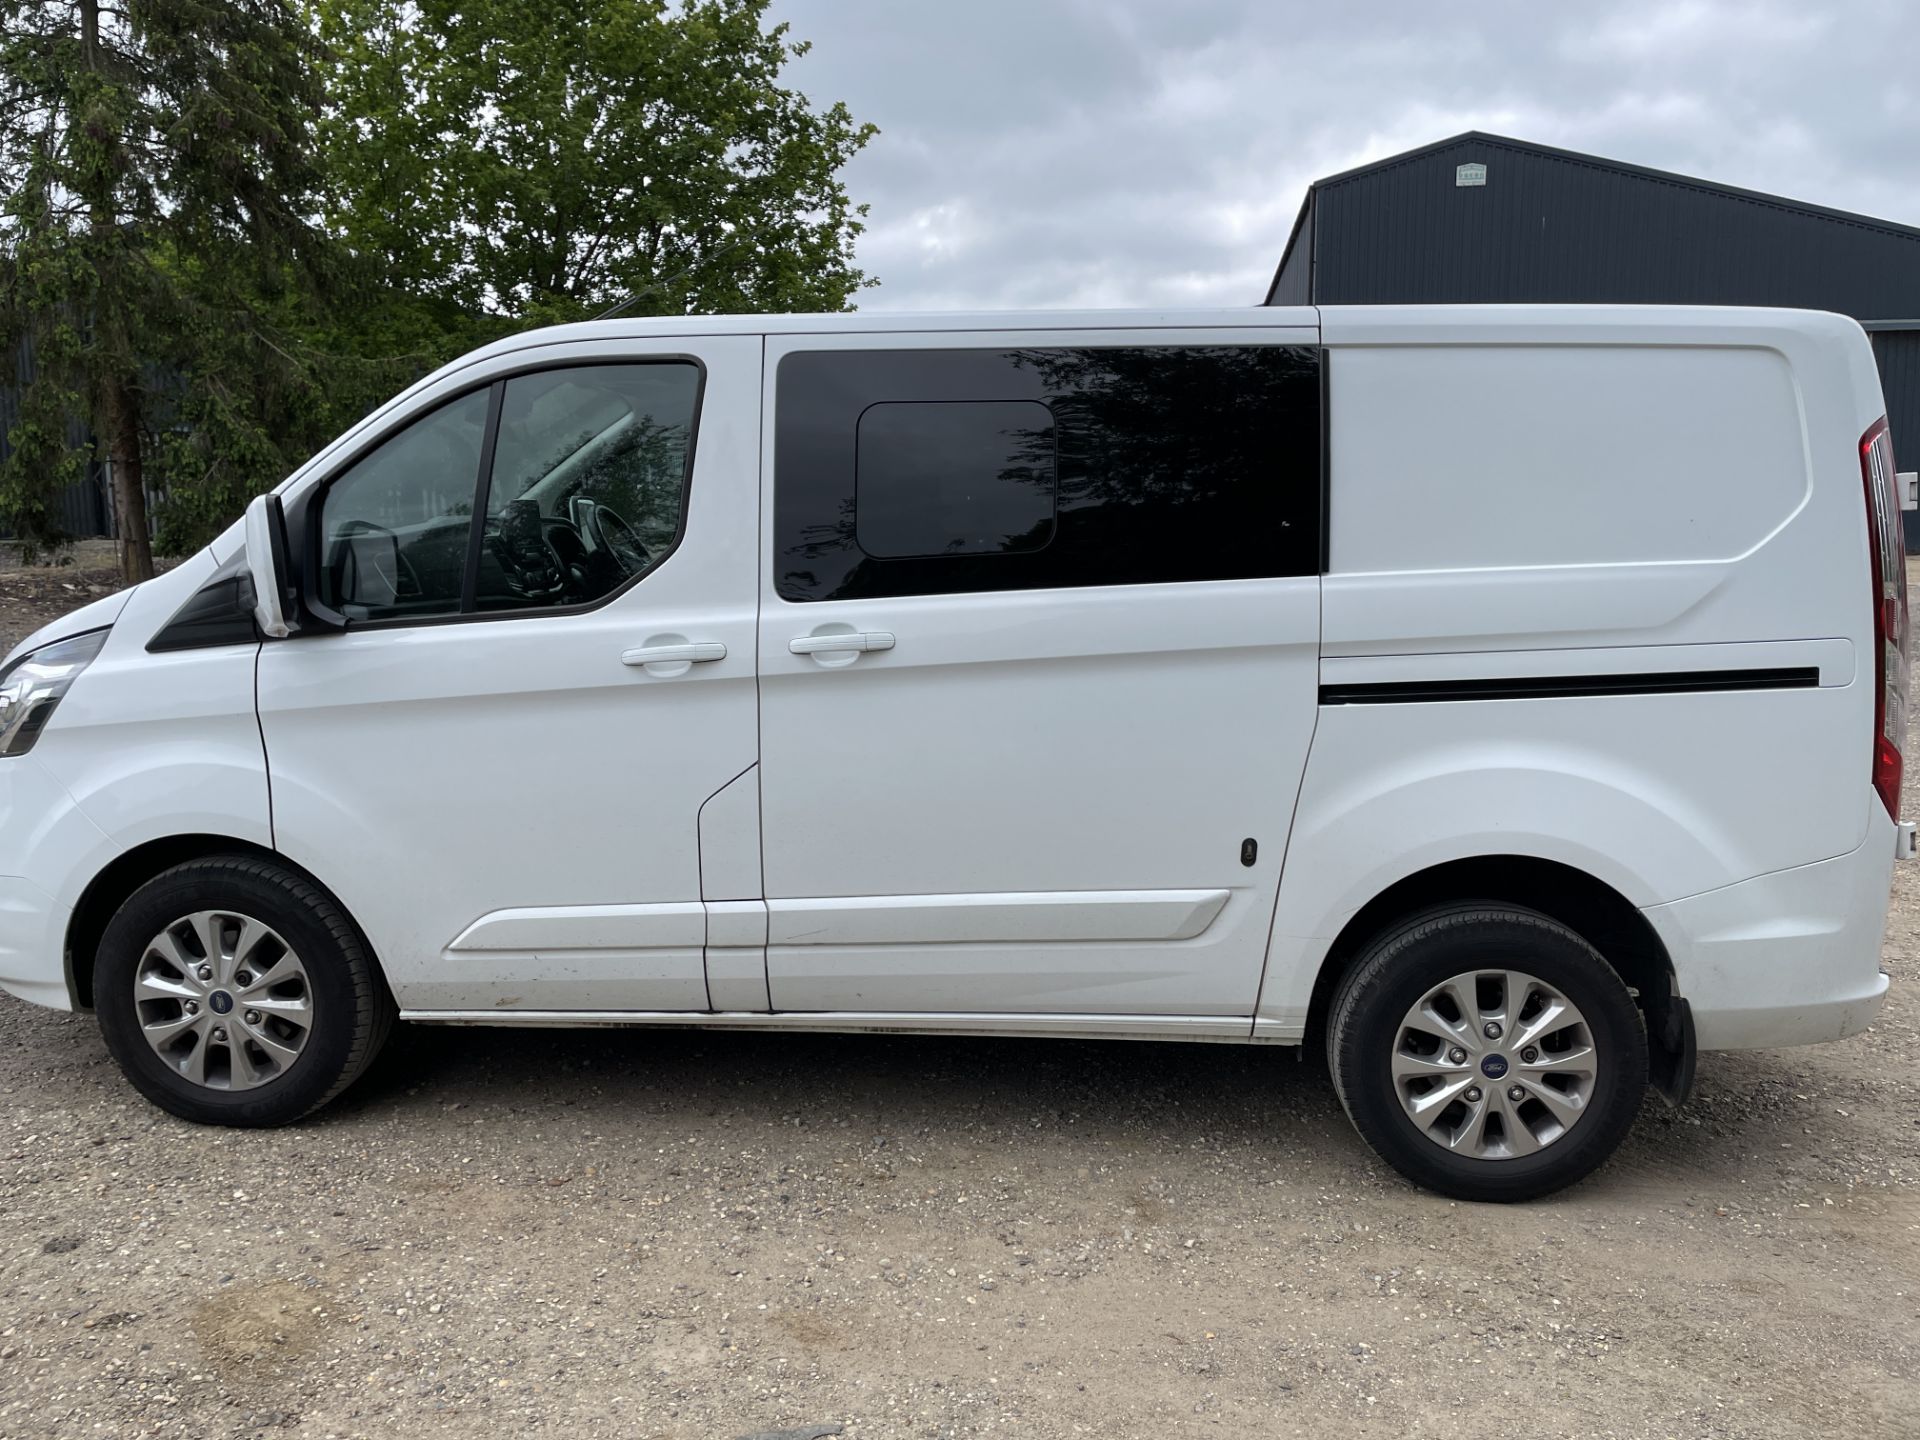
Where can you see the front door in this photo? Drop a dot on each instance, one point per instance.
(546, 568)
(1039, 636)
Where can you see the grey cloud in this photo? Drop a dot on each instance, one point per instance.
(1138, 152)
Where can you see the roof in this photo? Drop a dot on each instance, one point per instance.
(1487, 140)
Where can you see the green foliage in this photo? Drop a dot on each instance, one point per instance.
(542, 162)
(156, 179)
(230, 227)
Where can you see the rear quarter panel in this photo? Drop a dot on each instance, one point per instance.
(1566, 492)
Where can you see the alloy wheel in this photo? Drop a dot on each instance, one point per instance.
(223, 1000)
(1494, 1064)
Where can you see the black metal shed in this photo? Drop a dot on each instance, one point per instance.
(1482, 218)
(83, 508)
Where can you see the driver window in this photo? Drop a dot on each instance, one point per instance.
(394, 526)
(588, 488)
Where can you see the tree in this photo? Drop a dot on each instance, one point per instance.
(157, 175)
(543, 162)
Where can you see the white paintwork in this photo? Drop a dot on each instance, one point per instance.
(730, 840)
(588, 927)
(736, 925)
(269, 610)
(737, 955)
(1048, 916)
(1789, 958)
(1660, 796)
(150, 746)
(574, 956)
(436, 774)
(144, 747)
(951, 752)
(1487, 449)
(1689, 580)
(1004, 813)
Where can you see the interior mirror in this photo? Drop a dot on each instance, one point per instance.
(267, 564)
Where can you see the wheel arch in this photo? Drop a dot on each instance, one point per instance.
(1585, 904)
(116, 882)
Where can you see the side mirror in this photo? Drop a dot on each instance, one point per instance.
(273, 596)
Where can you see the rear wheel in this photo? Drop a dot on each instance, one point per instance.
(1487, 1052)
(233, 991)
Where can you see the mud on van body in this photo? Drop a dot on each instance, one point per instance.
(1509, 699)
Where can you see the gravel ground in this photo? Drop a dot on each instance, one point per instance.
(685, 1235)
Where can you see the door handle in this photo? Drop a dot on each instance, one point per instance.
(847, 641)
(694, 654)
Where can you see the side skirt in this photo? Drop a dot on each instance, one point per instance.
(1227, 1030)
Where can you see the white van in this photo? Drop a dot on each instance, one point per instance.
(1513, 697)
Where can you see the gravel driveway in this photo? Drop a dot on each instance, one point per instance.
(683, 1235)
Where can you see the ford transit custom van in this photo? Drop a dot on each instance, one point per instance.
(1510, 700)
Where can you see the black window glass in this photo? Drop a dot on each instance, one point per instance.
(953, 478)
(589, 481)
(394, 525)
(920, 472)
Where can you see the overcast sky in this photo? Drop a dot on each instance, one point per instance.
(1143, 152)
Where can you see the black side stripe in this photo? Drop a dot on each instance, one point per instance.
(1562, 687)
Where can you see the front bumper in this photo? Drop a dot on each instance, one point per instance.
(1791, 958)
(33, 936)
(48, 848)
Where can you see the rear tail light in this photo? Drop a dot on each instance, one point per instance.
(1888, 547)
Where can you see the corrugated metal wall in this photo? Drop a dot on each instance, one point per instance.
(84, 509)
(1898, 352)
(1294, 284)
(1545, 228)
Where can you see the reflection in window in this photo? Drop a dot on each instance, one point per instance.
(589, 482)
(954, 478)
(394, 525)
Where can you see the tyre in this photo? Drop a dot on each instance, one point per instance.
(1487, 1052)
(234, 991)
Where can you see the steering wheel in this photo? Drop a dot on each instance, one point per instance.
(608, 531)
(518, 539)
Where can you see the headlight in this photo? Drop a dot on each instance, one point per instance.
(33, 685)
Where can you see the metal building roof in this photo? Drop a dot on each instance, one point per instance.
(1555, 225)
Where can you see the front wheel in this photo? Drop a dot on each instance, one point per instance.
(1487, 1052)
(233, 991)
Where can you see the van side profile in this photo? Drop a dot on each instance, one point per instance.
(1511, 699)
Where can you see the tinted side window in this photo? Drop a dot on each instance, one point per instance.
(966, 477)
(394, 524)
(919, 472)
